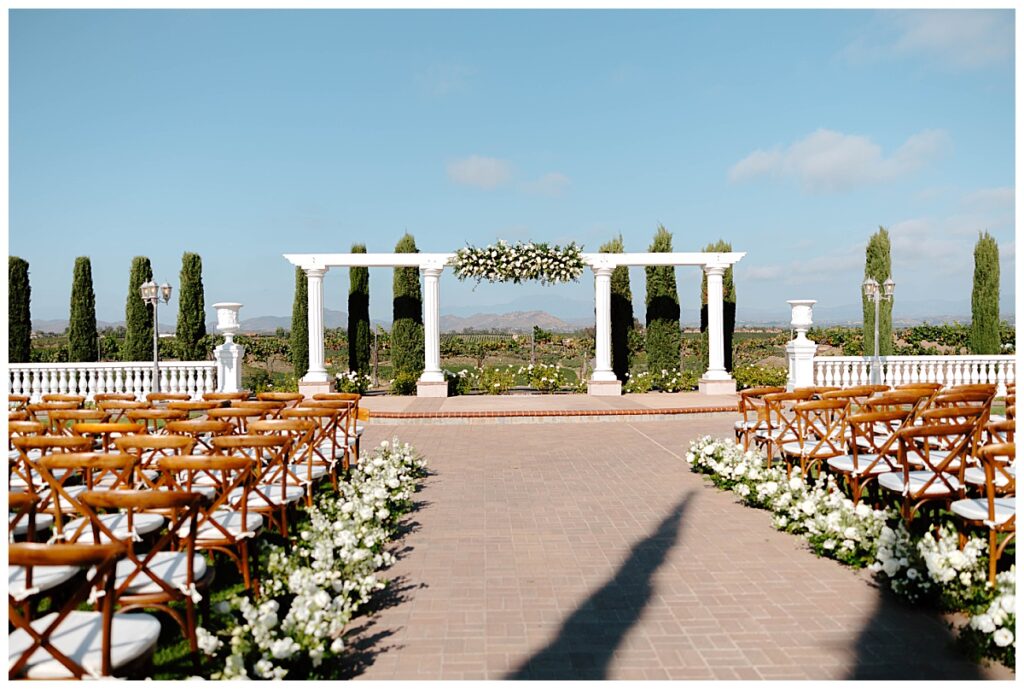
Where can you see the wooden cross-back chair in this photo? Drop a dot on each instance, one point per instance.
(17, 402)
(169, 570)
(156, 397)
(239, 417)
(753, 414)
(40, 411)
(225, 523)
(926, 474)
(155, 419)
(870, 447)
(227, 396)
(289, 398)
(781, 420)
(110, 396)
(201, 431)
(117, 408)
(997, 509)
(269, 408)
(63, 421)
(299, 464)
(17, 416)
(58, 397)
(819, 435)
(355, 429)
(69, 643)
(271, 493)
(25, 476)
(324, 443)
(195, 407)
(106, 432)
(344, 438)
(25, 584)
(150, 448)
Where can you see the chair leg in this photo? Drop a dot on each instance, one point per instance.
(993, 555)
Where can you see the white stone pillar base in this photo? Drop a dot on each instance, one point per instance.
(431, 388)
(229, 366)
(308, 388)
(800, 353)
(604, 388)
(716, 386)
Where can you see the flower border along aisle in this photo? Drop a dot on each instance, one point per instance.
(929, 569)
(311, 590)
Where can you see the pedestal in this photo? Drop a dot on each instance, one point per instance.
(229, 366)
(604, 388)
(716, 386)
(308, 389)
(431, 388)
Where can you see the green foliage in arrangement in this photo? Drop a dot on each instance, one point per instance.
(191, 309)
(359, 315)
(138, 315)
(300, 325)
(663, 334)
(82, 338)
(404, 383)
(622, 311)
(728, 308)
(407, 323)
(878, 265)
(19, 315)
(754, 376)
(985, 297)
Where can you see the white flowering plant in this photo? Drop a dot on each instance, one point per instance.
(496, 380)
(312, 587)
(352, 381)
(992, 631)
(504, 262)
(545, 377)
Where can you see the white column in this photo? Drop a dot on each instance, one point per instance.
(716, 337)
(316, 373)
(432, 325)
(716, 379)
(603, 325)
(800, 351)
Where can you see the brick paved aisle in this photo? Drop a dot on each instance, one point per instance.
(590, 551)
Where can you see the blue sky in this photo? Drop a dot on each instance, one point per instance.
(242, 135)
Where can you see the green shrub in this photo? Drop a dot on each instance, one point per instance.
(496, 380)
(404, 383)
(674, 380)
(638, 381)
(757, 376)
(19, 317)
(460, 382)
(191, 328)
(352, 381)
(257, 380)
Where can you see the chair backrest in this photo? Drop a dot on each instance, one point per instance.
(229, 479)
(1000, 476)
(62, 421)
(113, 471)
(779, 409)
(56, 397)
(919, 386)
(240, 395)
(167, 397)
(289, 398)
(17, 402)
(200, 430)
(873, 436)
(270, 408)
(150, 448)
(820, 425)
(22, 508)
(953, 442)
(997, 432)
(189, 406)
(98, 561)
(155, 419)
(38, 411)
(239, 417)
(106, 431)
(17, 415)
(107, 396)
(117, 408)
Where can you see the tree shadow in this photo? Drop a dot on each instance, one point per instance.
(901, 641)
(588, 638)
(363, 643)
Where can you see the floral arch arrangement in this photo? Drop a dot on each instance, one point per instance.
(504, 262)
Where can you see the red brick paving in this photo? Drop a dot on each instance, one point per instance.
(590, 551)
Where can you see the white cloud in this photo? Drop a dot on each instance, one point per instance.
(827, 268)
(958, 39)
(479, 171)
(550, 184)
(996, 197)
(827, 161)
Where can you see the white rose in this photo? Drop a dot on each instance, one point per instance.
(912, 573)
(1007, 603)
(1003, 637)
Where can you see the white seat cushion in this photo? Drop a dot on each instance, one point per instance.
(976, 477)
(976, 509)
(844, 464)
(272, 492)
(168, 566)
(80, 638)
(43, 578)
(305, 473)
(43, 522)
(144, 523)
(232, 523)
(894, 481)
(794, 448)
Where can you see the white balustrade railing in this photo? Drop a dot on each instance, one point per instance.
(92, 378)
(845, 371)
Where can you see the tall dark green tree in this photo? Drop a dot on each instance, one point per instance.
(19, 314)
(82, 336)
(663, 334)
(728, 307)
(300, 325)
(138, 315)
(191, 327)
(622, 311)
(985, 297)
(407, 325)
(359, 315)
(878, 265)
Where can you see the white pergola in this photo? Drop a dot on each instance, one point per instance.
(432, 384)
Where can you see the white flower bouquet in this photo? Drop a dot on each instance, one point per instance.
(504, 262)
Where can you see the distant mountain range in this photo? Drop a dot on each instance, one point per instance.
(564, 315)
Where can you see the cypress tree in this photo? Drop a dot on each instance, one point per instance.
(728, 307)
(622, 311)
(138, 315)
(300, 325)
(878, 265)
(191, 327)
(82, 336)
(407, 324)
(19, 315)
(359, 315)
(985, 297)
(663, 335)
